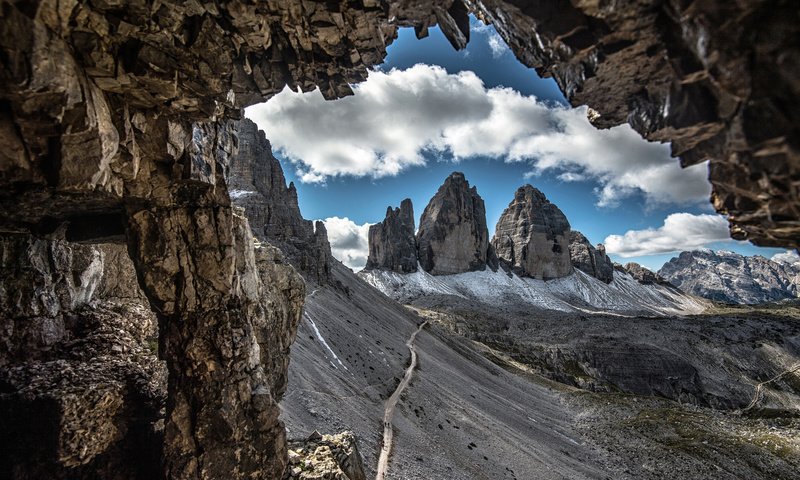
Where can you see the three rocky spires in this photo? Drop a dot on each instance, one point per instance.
(533, 238)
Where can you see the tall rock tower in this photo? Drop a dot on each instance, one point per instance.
(532, 236)
(452, 236)
(392, 245)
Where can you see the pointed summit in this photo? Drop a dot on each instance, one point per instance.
(392, 245)
(532, 236)
(452, 236)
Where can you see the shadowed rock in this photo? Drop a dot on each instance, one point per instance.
(112, 111)
(589, 259)
(532, 236)
(259, 186)
(643, 275)
(733, 278)
(392, 244)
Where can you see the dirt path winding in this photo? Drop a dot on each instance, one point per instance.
(388, 413)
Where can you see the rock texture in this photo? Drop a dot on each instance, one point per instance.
(532, 236)
(392, 244)
(453, 237)
(82, 393)
(643, 275)
(714, 78)
(116, 122)
(81, 389)
(589, 259)
(333, 457)
(732, 278)
(258, 185)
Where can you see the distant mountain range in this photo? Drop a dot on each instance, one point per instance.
(728, 277)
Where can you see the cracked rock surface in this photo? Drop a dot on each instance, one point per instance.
(533, 236)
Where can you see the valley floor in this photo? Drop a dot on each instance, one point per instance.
(534, 395)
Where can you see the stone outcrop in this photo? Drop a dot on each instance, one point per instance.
(334, 457)
(453, 237)
(643, 275)
(116, 123)
(258, 185)
(732, 278)
(589, 259)
(532, 236)
(392, 244)
(82, 393)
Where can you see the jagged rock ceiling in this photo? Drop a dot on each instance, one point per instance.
(91, 87)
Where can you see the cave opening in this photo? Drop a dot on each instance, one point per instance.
(124, 120)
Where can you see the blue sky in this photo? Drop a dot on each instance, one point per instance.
(352, 158)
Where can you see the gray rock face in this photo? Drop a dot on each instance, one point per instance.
(259, 186)
(589, 259)
(643, 275)
(732, 278)
(453, 237)
(392, 244)
(532, 236)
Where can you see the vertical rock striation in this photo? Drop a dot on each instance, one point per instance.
(392, 244)
(643, 275)
(453, 237)
(732, 278)
(116, 122)
(532, 236)
(589, 259)
(259, 186)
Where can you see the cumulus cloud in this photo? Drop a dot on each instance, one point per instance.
(396, 119)
(789, 257)
(348, 241)
(681, 231)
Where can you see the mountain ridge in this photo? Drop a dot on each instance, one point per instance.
(729, 277)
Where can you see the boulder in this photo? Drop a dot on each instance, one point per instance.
(453, 237)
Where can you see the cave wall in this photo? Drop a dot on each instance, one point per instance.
(116, 123)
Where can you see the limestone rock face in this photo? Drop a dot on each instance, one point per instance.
(732, 278)
(532, 236)
(453, 237)
(392, 244)
(643, 275)
(589, 259)
(258, 185)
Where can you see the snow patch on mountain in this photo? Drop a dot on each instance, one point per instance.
(577, 292)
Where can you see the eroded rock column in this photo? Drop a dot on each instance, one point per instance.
(195, 260)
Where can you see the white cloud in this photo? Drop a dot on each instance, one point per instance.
(348, 241)
(571, 177)
(396, 117)
(681, 231)
(789, 257)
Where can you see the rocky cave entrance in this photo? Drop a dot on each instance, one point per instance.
(106, 110)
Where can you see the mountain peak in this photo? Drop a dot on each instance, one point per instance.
(392, 245)
(453, 237)
(532, 236)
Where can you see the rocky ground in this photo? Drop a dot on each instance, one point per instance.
(484, 404)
